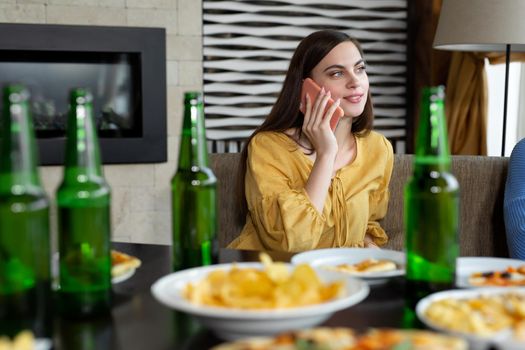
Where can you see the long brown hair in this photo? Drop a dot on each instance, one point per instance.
(285, 112)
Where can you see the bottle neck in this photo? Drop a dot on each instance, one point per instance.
(82, 148)
(193, 152)
(18, 158)
(432, 143)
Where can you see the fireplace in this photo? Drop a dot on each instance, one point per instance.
(124, 67)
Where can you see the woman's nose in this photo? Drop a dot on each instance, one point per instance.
(352, 81)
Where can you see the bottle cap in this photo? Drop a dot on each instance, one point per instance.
(16, 93)
(434, 93)
(81, 96)
(193, 97)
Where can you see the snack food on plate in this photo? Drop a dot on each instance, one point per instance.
(122, 263)
(347, 339)
(484, 315)
(366, 266)
(512, 276)
(24, 340)
(274, 286)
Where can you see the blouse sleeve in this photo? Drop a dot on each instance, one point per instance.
(284, 216)
(379, 199)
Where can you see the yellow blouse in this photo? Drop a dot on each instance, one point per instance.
(281, 216)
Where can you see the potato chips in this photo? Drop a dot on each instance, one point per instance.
(23, 341)
(272, 287)
(484, 315)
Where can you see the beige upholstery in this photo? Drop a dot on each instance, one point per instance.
(481, 179)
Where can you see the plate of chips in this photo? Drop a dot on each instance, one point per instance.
(258, 299)
(25, 340)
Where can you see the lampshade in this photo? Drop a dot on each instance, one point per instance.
(481, 25)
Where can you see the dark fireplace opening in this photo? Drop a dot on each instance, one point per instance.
(124, 67)
(113, 78)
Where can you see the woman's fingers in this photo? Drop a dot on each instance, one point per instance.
(319, 115)
(314, 127)
(318, 100)
(330, 111)
(319, 107)
(311, 111)
(369, 242)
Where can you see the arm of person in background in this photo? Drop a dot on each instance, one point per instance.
(514, 202)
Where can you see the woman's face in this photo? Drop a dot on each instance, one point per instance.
(342, 72)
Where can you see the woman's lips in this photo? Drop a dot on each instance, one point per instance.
(354, 98)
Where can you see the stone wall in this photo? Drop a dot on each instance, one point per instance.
(141, 192)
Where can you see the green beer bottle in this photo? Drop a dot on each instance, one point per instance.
(25, 282)
(194, 198)
(431, 204)
(83, 201)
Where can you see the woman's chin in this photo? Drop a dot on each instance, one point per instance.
(353, 113)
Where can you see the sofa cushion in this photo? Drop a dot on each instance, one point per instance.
(481, 180)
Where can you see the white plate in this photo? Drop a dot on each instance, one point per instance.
(123, 277)
(43, 344)
(475, 342)
(231, 324)
(469, 265)
(336, 256)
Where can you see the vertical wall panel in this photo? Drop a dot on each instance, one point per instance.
(248, 44)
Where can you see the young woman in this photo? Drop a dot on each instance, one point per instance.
(304, 186)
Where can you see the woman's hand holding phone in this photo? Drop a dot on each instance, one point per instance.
(311, 89)
(317, 129)
(316, 125)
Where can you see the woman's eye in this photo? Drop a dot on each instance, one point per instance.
(361, 68)
(337, 74)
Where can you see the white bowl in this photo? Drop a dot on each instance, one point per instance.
(336, 256)
(43, 344)
(231, 324)
(509, 344)
(476, 342)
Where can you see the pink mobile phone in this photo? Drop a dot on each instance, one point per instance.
(312, 89)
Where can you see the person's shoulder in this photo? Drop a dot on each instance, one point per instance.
(266, 138)
(269, 141)
(519, 149)
(377, 140)
(271, 147)
(517, 158)
(267, 135)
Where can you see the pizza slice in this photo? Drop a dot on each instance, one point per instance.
(122, 263)
(366, 266)
(512, 276)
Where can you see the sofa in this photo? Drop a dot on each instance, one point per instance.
(482, 184)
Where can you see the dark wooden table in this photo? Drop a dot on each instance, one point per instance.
(139, 322)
